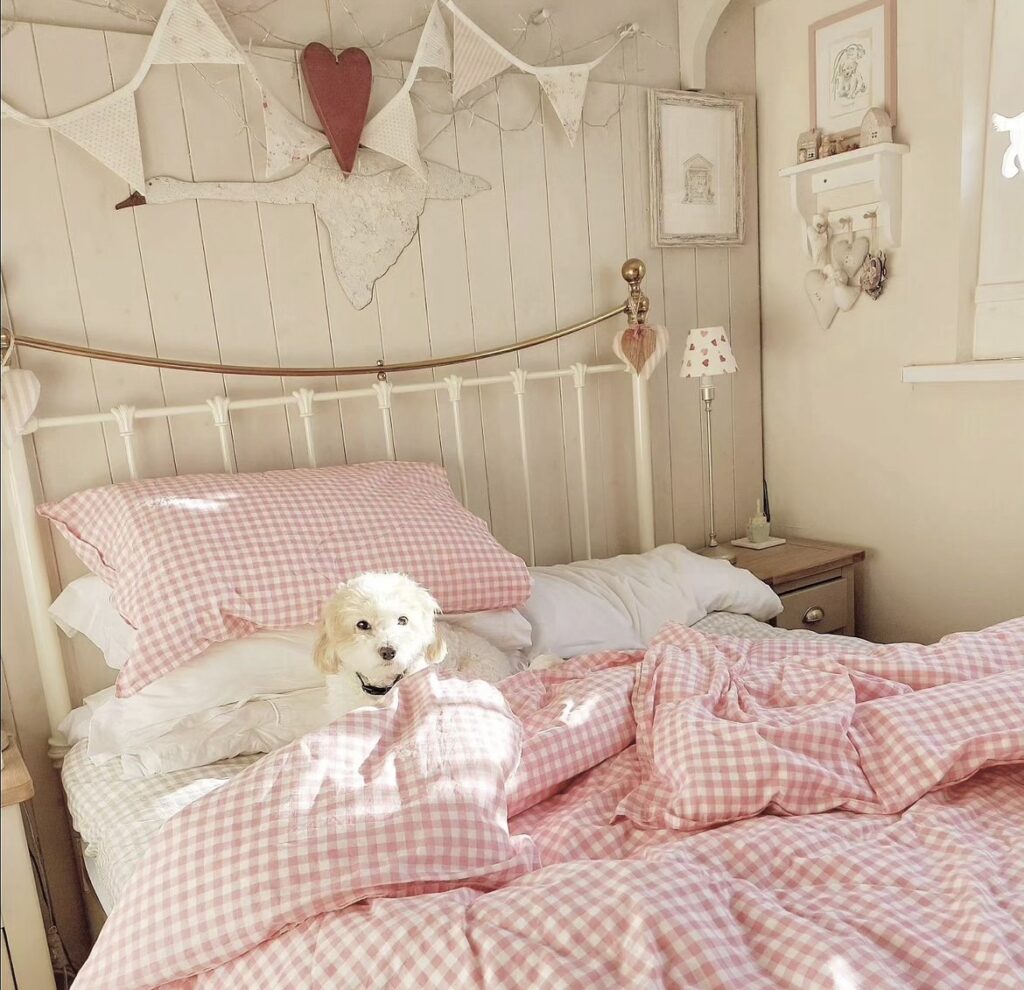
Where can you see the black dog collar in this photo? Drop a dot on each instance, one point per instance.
(376, 689)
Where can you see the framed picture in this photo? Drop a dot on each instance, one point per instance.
(853, 66)
(696, 149)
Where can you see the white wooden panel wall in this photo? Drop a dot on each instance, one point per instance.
(253, 283)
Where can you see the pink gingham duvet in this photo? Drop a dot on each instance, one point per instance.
(713, 813)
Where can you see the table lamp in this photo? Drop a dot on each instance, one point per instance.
(708, 354)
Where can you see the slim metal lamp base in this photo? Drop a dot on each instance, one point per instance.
(719, 553)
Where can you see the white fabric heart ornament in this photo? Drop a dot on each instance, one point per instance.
(822, 297)
(849, 255)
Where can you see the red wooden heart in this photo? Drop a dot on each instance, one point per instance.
(339, 89)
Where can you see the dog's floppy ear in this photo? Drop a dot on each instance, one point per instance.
(437, 650)
(324, 657)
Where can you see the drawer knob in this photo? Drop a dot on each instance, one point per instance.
(813, 615)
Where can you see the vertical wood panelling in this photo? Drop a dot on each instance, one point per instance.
(529, 238)
(745, 311)
(635, 184)
(449, 311)
(602, 146)
(684, 407)
(104, 247)
(236, 256)
(490, 285)
(298, 299)
(566, 179)
(254, 283)
(401, 303)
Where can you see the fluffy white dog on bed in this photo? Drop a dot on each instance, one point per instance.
(379, 628)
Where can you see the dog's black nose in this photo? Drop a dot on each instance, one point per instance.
(387, 653)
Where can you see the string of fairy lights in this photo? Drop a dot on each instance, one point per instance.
(270, 45)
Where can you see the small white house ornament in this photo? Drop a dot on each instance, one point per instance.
(876, 128)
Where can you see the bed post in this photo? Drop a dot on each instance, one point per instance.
(637, 306)
(21, 391)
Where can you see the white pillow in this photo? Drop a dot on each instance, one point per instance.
(258, 726)
(84, 607)
(266, 663)
(622, 602)
(270, 662)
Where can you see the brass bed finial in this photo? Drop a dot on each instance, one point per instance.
(636, 308)
(637, 305)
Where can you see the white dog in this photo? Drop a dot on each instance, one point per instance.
(379, 628)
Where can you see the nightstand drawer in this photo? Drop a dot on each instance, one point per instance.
(820, 607)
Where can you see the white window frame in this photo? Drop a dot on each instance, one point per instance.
(990, 319)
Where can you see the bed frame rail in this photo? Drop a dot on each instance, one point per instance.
(21, 392)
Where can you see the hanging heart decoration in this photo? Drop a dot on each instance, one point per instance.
(641, 347)
(849, 255)
(339, 89)
(822, 298)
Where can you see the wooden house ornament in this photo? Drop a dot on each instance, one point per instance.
(876, 128)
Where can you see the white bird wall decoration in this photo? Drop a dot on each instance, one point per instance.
(370, 216)
(1013, 159)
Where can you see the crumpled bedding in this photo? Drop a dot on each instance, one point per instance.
(465, 836)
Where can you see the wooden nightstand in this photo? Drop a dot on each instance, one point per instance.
(26, 955)
(813, 579)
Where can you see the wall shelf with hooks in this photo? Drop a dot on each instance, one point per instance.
(862, 185)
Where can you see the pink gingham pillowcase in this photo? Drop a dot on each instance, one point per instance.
(201, 559)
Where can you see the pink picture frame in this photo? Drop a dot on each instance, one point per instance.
(857, 47)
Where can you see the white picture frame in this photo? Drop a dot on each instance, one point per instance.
(696, 159)
(852, 61)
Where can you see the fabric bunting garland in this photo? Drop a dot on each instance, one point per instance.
(188, 32)
(196, 31)
(392, 130)
(478, 57)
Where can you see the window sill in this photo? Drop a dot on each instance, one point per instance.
(1007, 370)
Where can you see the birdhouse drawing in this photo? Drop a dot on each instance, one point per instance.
(698, 181)
(876, 128)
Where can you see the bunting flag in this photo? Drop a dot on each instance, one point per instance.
(392, 130)
(289, 140)
(107, 129)
(566, 89)
(478, 57)
(188, 32)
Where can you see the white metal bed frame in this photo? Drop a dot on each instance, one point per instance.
(27, 526)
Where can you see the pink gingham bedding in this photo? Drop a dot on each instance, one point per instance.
(201, 559)
(392, 867)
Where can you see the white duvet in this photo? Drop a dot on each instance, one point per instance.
(621, 603)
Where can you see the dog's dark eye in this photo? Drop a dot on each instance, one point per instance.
(362, 624)
(403, 620)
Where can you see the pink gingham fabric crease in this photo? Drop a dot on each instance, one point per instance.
(915, 882)
(728, 728)
(405, 798)
(200, 559)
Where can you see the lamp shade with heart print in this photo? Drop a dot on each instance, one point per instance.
(707, 353)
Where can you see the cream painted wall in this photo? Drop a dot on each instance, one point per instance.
(929, 477)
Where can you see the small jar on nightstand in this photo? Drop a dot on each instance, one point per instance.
(26, 954)
(815, 581)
